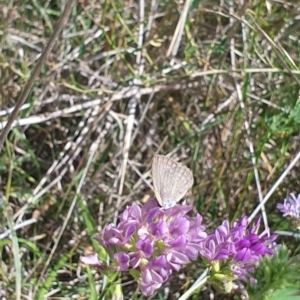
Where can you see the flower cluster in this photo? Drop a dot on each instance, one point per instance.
(151, 243)
(290, 206)
(237, 248)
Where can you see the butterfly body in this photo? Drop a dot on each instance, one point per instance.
(171, 180)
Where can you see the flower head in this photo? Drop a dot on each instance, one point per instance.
(237, 247)
(290, 206)
(151, 242)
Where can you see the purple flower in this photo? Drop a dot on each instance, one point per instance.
(239, 246)
(153, 275)
(150, 282)
(146, 247)
(151, 242)
(123, 260)
(290, 206)
(92, 260)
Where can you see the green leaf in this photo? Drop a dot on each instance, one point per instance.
(275, 275)
(286, 294)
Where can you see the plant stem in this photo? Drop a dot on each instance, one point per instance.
(197, 284)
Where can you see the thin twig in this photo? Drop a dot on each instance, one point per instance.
(133, 100)
(246, 123)
(288, 233)
(92, 151)
(174, 46)
(16, 227)
(197, 284)
(60, 165)
(23, 96)
(275, 186)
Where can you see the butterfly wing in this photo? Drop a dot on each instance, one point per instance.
(171, 180)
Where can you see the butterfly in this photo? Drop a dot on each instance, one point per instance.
(171, 180)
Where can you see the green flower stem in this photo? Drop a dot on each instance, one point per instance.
(197, 284)
(105, 290)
